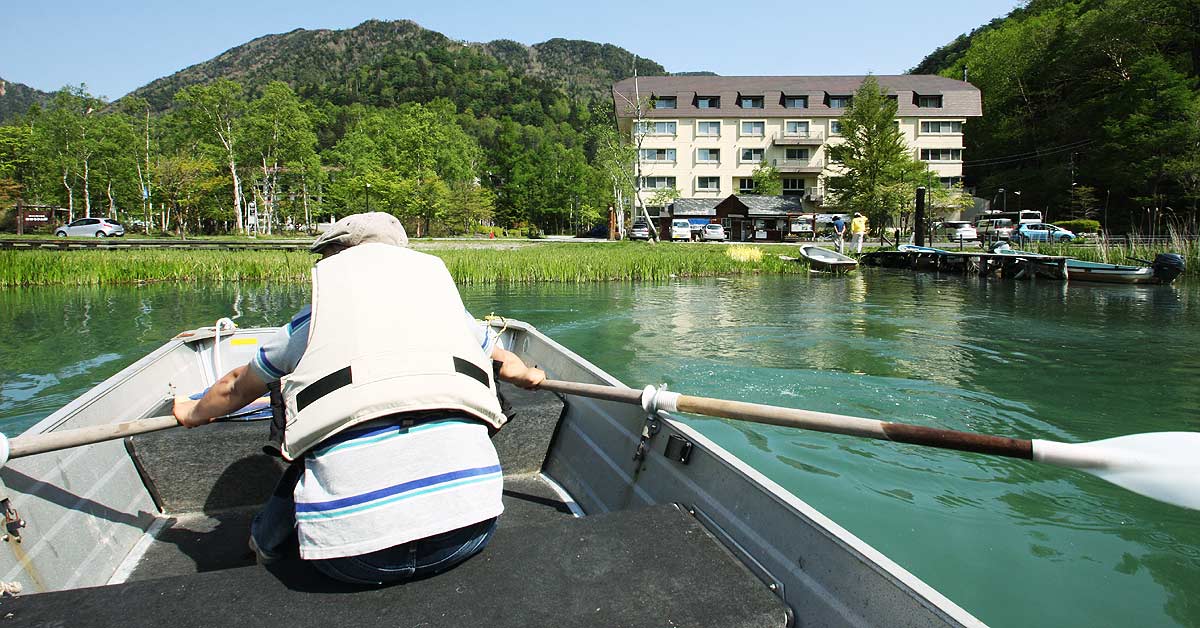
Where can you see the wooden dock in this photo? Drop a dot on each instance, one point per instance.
(1007, 265)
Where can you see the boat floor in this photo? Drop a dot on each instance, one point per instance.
(654, 566)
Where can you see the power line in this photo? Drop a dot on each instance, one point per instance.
(994, 161)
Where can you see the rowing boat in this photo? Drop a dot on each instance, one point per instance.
(611, 518)
(822, 258)
(1164, 269)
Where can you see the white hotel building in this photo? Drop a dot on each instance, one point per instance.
(707, 134)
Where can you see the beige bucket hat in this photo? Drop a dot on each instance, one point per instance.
(363, 228)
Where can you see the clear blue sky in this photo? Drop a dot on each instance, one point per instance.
(115, 47)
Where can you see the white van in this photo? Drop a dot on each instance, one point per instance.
(681, 230)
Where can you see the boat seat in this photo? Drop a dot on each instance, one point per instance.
(652, 567)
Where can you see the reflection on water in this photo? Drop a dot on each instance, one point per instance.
(1014, 543)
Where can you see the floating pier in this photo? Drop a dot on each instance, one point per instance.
(1007, 265)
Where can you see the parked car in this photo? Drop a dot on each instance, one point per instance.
(1042, 232)
(713, 231)
(993, 229)
(956, 230)
(639, 231)
(98, 227)
(681, 230)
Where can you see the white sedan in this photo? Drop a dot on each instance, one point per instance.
(713, 232)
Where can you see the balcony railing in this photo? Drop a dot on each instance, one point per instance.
(815, 164)
(814, 137)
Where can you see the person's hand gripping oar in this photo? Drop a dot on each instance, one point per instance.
(1161, 465)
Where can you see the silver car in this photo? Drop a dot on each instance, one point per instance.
(98, 227)
(713, 231)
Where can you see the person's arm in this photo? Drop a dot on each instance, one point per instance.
(514, 371)
(236, 389)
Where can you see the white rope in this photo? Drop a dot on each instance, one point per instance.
(217, 372)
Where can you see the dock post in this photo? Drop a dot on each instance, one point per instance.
(919, 218)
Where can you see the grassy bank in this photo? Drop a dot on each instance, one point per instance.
(568, 262)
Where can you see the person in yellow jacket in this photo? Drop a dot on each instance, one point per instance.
(858, 231)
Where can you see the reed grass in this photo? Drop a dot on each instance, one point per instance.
(564, 263)
(1116, 251)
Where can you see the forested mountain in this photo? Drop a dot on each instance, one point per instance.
(1089, 105)
(16, 99)
(386, 63)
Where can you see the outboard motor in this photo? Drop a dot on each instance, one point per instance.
(1168, 266)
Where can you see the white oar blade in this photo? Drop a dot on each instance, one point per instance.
(1160, 465)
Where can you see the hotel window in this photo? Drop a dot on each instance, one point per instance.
(708, 102)
(664, 102)
(708, 155)
(709, 128)
(753, 129)
(752, 155)
(795, 102)
(657, 128)
(840, 102)
(657, 183)
(796, 154)
(793, 186)
(950, 182)
(941, 126)
(658, 154)
(932, 102)
(710, 184)
(796, 128)
(835, 127)
(745, 185)
(751, 102)
(941, 154)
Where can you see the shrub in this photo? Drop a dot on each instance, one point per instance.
(1080, 225)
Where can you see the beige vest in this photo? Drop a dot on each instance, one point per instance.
(386, 336)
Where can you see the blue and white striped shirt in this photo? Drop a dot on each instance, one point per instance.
(378, 485)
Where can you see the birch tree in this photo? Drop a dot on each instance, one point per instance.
(278, 134)
(215, 112)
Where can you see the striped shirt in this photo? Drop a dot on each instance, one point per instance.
(378, 485)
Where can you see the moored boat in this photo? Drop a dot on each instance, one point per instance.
(1165, 268)
(611, 518)
(822, 258)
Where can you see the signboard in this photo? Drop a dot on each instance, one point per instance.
(761, 234)
(36, 219)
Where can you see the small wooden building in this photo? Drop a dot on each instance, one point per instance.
(746, 217)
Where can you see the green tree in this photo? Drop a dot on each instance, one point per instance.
(278, 134)
(874, 157)
(214, 115)
(767, 181)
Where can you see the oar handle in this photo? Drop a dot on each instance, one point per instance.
(652, 400)
(53, 441)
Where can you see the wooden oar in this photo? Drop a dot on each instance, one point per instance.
(1161, 465)
(31, 444)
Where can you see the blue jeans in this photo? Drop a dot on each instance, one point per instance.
(274, 528)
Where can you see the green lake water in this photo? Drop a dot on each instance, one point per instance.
(1012, 542)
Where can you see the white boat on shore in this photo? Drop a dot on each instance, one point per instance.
(611, 518)
(822, 258)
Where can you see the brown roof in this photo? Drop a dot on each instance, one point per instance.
(959, 99)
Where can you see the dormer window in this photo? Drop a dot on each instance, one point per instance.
(839, 102)
(795, 102)
(930, 102)
(664, 102)
(751, 102)
(708, 102)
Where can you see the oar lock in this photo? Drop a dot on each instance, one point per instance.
(654, 401)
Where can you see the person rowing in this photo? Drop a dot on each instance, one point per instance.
(389, 399)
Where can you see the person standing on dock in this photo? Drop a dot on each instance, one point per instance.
(388, 402)
(858, 231)
(839, 233)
